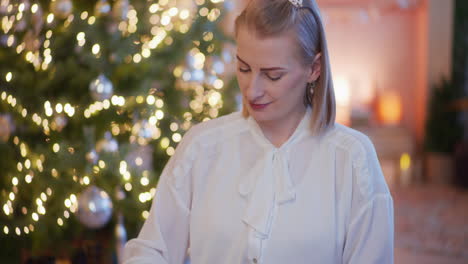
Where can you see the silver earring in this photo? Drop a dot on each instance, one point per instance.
(311, 87)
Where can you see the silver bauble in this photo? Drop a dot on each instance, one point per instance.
(92, 157)
(215, 64)
(94, 207)
(197, 75)
(59, 122)
(101, 8)
(146, 131)
(107, 144)
(61, 8)
(145, 153)
(120, 9)
(101, 88)
(31, 41)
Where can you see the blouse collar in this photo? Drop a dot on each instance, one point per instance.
(268, 183)
(303, 129)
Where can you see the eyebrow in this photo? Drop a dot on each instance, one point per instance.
(261, 69)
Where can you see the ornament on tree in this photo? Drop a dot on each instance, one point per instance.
(146, 131)
(210, 79)
(111, 28)
(101, 88)
(102, 8)
(94, 207)
(120, 9)
(143, 154)
(107, 144)
(6, 127)
(4, 39)
(61, 8)
(92, 157)
(215, 64)
(59, 122)
(31, 41)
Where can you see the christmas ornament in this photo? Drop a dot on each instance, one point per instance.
(146, 131)
(4, 40)
(59, 122)
(215, 64)
(107, 144)
(61, 8)
(94, 207)
(197, 75)
(6, 127)
(120, 9)
(102, 8)
(111, 28)
(190, 61)
(143, 154)
(31, 41)
(101, 88)
(92, 157)
(210, 79)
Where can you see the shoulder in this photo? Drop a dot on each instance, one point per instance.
(367, 173)
(351, 140)
(203, 138)
(213, 131)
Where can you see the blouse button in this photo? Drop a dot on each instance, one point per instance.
(254, 260)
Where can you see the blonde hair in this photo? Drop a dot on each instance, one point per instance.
(269, 18)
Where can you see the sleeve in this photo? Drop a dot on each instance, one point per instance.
(370, 232)
(164, 235)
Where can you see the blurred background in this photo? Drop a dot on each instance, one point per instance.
(96, 95)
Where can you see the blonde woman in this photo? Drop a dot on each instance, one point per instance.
(279, 182)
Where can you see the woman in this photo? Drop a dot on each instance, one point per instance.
(279, 182)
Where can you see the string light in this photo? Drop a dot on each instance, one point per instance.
(145, 214)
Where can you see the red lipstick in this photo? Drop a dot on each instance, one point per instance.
(258, 106)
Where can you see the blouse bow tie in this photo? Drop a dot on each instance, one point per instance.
(269, 184)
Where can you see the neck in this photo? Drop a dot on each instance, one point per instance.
(279, 131)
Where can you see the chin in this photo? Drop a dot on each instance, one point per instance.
(262, 116)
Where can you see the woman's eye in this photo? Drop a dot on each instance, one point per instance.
(274, 78)
(243, 70)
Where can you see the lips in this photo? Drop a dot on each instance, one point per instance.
(259, 106)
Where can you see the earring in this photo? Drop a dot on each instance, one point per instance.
(311, 87)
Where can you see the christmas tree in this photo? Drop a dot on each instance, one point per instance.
(95, 96)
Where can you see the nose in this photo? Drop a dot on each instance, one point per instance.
(255, 88)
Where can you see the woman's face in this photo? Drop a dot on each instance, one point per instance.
(272, 79)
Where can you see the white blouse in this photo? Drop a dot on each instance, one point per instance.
(230, 196)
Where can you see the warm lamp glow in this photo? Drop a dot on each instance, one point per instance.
(343, 107)
(390, 108)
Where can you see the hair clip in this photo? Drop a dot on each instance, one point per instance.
(296, 3)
